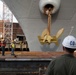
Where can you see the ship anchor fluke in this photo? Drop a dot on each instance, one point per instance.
(48, 39)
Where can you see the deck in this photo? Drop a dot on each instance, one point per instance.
(26, 63)
(31, 55)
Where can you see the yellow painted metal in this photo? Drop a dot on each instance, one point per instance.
(46, 37)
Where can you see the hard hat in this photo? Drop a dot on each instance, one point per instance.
(69, 42)
(2, 39)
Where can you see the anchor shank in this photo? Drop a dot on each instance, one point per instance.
(49, 21)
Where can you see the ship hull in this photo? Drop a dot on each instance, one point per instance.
(33, 22)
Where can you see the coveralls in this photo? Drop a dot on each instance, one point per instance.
(63, 65)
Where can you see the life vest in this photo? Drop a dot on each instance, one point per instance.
(13, 45)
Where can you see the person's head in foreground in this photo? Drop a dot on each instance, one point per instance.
(69, 44)
(66, 63)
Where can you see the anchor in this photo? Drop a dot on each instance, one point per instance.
(46, 37)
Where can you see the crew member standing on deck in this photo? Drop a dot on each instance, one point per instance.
(3, 44)
(12, 47)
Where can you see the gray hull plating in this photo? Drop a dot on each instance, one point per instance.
(33, 22)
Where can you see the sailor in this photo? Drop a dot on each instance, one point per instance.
(66, 63)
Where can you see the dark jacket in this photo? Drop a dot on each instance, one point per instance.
(63, 65)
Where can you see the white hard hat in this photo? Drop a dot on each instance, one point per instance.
(69, 42)
(2, 39)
